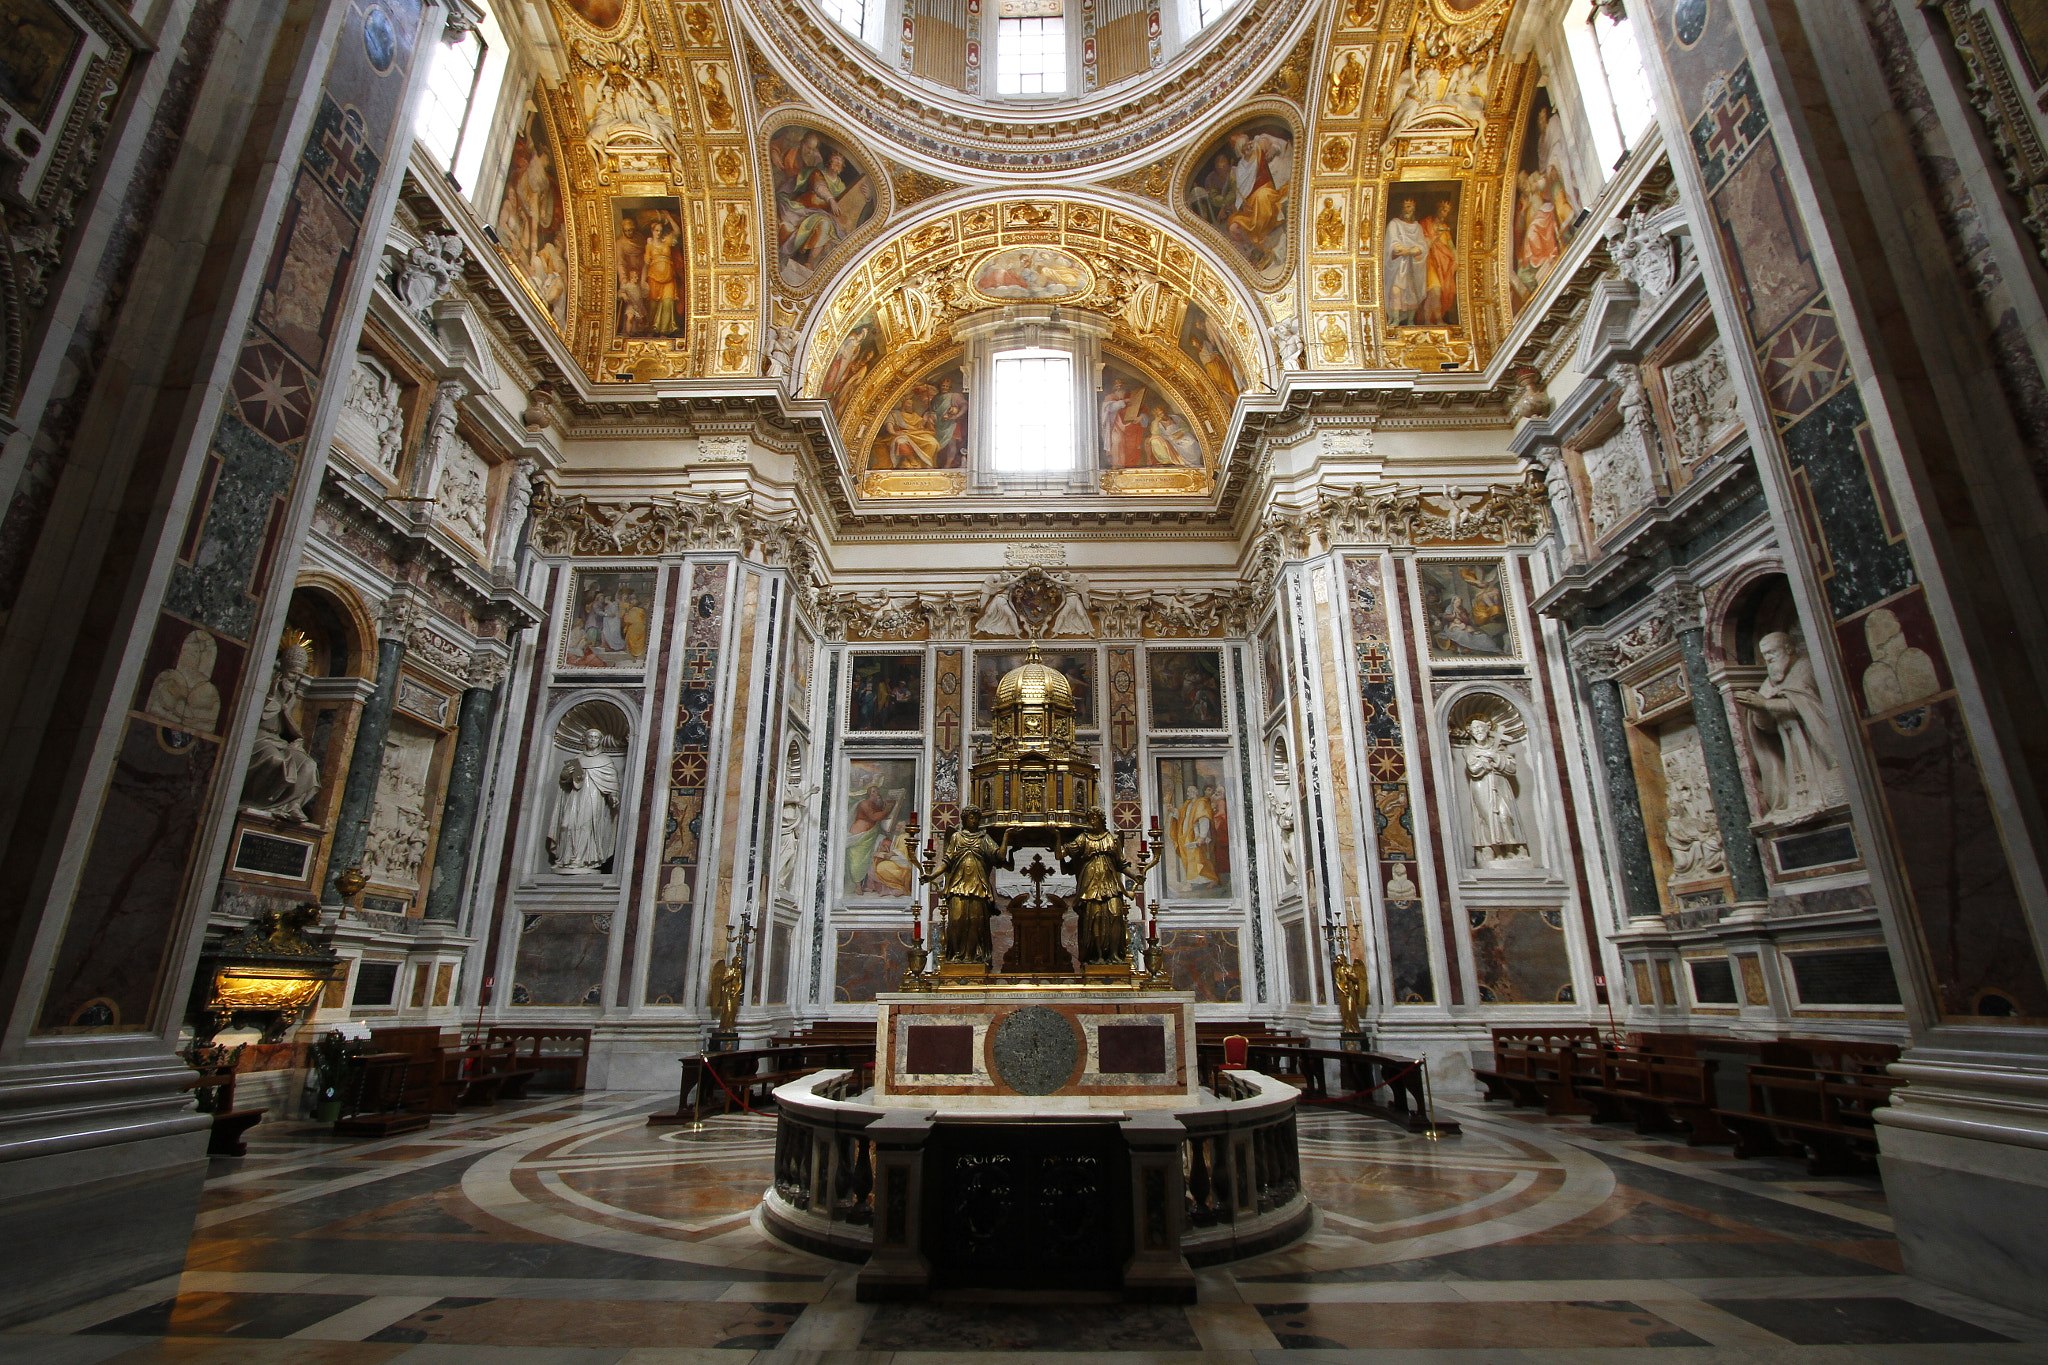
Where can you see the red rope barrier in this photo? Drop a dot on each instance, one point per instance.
(705, 1061)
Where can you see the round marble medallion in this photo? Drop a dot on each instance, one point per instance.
(1035, 1050)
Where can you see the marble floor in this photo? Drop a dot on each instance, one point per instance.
(567, 1230)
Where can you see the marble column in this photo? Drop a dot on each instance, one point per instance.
(1724, 770)
(1628, 836)
(366, 760)
(465, 789)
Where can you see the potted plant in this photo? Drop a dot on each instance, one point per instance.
(330, 1056)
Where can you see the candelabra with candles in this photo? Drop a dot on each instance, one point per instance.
(917, 972)
(1150, 846)
(1348, 981)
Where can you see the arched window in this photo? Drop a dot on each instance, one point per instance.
(1034, 412)
(861, 18)
(1609, 67)
(454, 120)
(1031, 47)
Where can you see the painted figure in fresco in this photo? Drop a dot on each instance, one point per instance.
(873, 816)
(660, 273)
(819, 198)
(631, 252)
(1439, 305)
(585, 829)
(1788, 731)
(282, 777)
(949, 423)
(1490, 768)
(1191, 830)
(908, 433)
(1096, 859)
(1406, 266)
(1262, 169)
(1123, 426)
(852, 361)
(633, 621)
(965, 878)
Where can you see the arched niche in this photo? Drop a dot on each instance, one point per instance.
(584, 791)
(1784, 724)
(331, 615)
(1498, 784)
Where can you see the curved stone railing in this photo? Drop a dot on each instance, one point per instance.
(1235, 1190)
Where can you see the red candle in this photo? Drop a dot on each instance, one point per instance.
(913, 819)
(917, 931)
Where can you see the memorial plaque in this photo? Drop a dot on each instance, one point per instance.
(270, 856)
(376, 983)
(1713, 981)
(1797, 852)
(1125, 1049)
(939, 1049)
(1845, 976)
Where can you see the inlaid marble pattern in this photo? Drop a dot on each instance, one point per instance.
(567, 1229)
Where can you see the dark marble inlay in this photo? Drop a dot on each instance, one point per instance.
(1035, 1049)
(1854, 1322)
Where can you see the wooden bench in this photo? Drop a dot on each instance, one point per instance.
(1658, 1093)
(1826, 1113)
(559, 1057)
(1360, 1076)
(486, 1075)
(214, 1090)
(1535, 1067)
(377, 1096)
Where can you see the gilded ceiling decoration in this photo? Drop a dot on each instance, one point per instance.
(1368, 184)
(656, 272)
(1103, 134)
(1177, 328)
(1407, 263)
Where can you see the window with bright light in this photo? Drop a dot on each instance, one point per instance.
(861, 18)
(462, 92)
(1202, 13)
(1034, 412)
(1609, 67)
(1031, 56)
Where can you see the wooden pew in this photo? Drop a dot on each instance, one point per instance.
(559, 1056)
(214, 1089)
(1538, 1066)
(1826, 1113)
(711, 1081)
(1658, 1092)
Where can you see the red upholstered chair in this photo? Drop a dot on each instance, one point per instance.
(1234, 1047)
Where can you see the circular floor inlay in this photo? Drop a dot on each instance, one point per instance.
(1035, 1050)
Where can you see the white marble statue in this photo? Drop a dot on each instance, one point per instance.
(1072, 619)
(1788, 733)
(1490, 773)
(788, 833)
(585, 830)
(184, 697)
(1900, 672)
(282, 777)
(1283, 835)
(998, 617)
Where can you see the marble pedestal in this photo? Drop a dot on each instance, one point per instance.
(1046, 1049)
